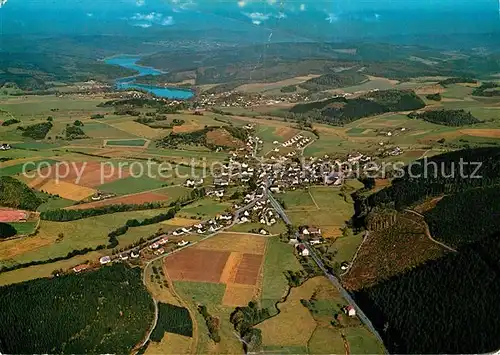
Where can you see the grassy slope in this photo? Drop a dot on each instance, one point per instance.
(278, 259)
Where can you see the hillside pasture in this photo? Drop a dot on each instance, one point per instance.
(105, 131)
(330, 209)
(56, 239)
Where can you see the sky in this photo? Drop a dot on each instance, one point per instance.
(328, 19)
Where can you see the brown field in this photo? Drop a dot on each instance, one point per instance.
(131, 199)
(414, 153)
(248, 269)
(392, 251)
(429, 89)
(231, 268)
(188, 127)
(230, 258)
(393, 82)
(90, 177)
(235, 242)
(487, 133)
(238, 295)
(11, 215)
(221, 137)
(181, 222)
(14, 247)
(197, 265)
(286, 132)
(65, 189)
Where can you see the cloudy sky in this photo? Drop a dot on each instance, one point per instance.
(299, 15)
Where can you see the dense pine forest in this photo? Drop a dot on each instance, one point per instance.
(450, 305)
(441, 174)
(466, 217)
(105, 311)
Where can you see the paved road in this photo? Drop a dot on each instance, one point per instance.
(334, 280)
(236, 217)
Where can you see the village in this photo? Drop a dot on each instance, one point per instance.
(259, 177)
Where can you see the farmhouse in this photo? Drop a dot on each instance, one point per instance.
(5, 146)
(80, 268)
(303, 251)
(350, 311)
(105, 259)
(183, 243)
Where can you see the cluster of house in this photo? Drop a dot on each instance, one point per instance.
(98, 196)
(309, 234)
(299, 142)
(5, 146)
(391, 133)
(392, 152)
(241, 99)
(157, 246)
(193, 183)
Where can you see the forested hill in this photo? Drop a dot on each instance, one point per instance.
(450, 305)
(15, 194)
(334, 81)
(455, 118)
(104, 311)
(441, 174)
(340, 111)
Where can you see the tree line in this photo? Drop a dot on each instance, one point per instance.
(63, 215)
(244, 319)
(10, 122)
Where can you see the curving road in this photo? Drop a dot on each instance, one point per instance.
(333, 279)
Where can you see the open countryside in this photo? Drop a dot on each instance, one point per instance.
(252, 185)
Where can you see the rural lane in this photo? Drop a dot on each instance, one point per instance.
(333, 279)
(428, 231)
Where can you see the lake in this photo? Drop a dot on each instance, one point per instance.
(130, 81)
